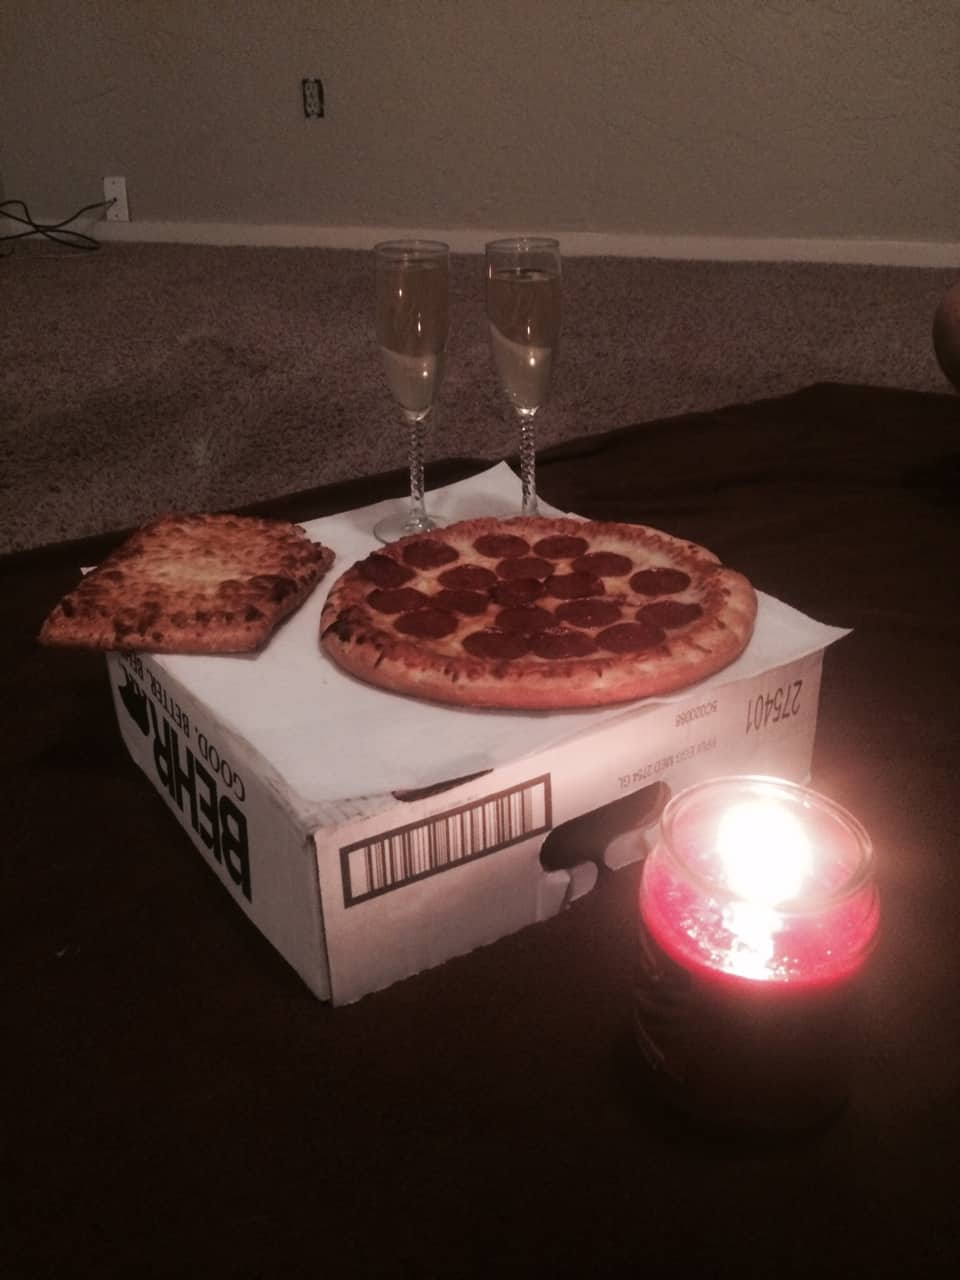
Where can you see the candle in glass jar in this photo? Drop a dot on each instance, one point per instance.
(758, 911)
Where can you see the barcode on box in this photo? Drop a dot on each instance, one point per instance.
(447, 840)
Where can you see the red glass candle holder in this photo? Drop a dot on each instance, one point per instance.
(758, 911)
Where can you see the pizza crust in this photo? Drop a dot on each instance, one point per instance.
(191, 584)
(366, 644)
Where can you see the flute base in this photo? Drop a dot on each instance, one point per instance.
(404, 524)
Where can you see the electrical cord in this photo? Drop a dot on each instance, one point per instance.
(58, 232)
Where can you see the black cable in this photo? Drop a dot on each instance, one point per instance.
(58, 232)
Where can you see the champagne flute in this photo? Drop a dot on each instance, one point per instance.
(411, 313)
(523, 310)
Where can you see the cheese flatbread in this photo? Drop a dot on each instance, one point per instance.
(192, 584)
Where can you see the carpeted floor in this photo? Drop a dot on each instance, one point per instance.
(147, 377)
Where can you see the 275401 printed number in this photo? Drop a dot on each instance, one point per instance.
(769, 708)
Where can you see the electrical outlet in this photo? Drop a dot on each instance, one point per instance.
(115, 189)
(312, 98)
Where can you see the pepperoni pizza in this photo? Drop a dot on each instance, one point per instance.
(537, 613)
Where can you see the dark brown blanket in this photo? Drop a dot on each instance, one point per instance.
(178, 1104)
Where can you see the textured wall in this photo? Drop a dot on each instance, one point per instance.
(833, 118)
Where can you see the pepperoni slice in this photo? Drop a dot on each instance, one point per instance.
(383, 571)
(573, 586)
(496, 646)
(397, 599)
(427, 624)
(525, 620)
(670, 613)
(429, 553)
(467, 577)
(561, 546)
(469, 603)
(659, 582)
(627, 637)
(524, 567)
(605, 564)
(518, 591)
(589, 613)
(501, 546)
(561, 643)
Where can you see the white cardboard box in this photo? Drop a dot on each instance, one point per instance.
(268, 762)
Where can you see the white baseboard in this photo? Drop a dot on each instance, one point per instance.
(894, 253)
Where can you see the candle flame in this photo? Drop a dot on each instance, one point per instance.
(764, 852)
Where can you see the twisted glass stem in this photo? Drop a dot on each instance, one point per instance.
(417, 520)
(528, 462)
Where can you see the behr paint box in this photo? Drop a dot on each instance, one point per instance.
(370, 836)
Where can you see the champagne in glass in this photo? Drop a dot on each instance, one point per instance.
(523, 310)
(411, 308)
